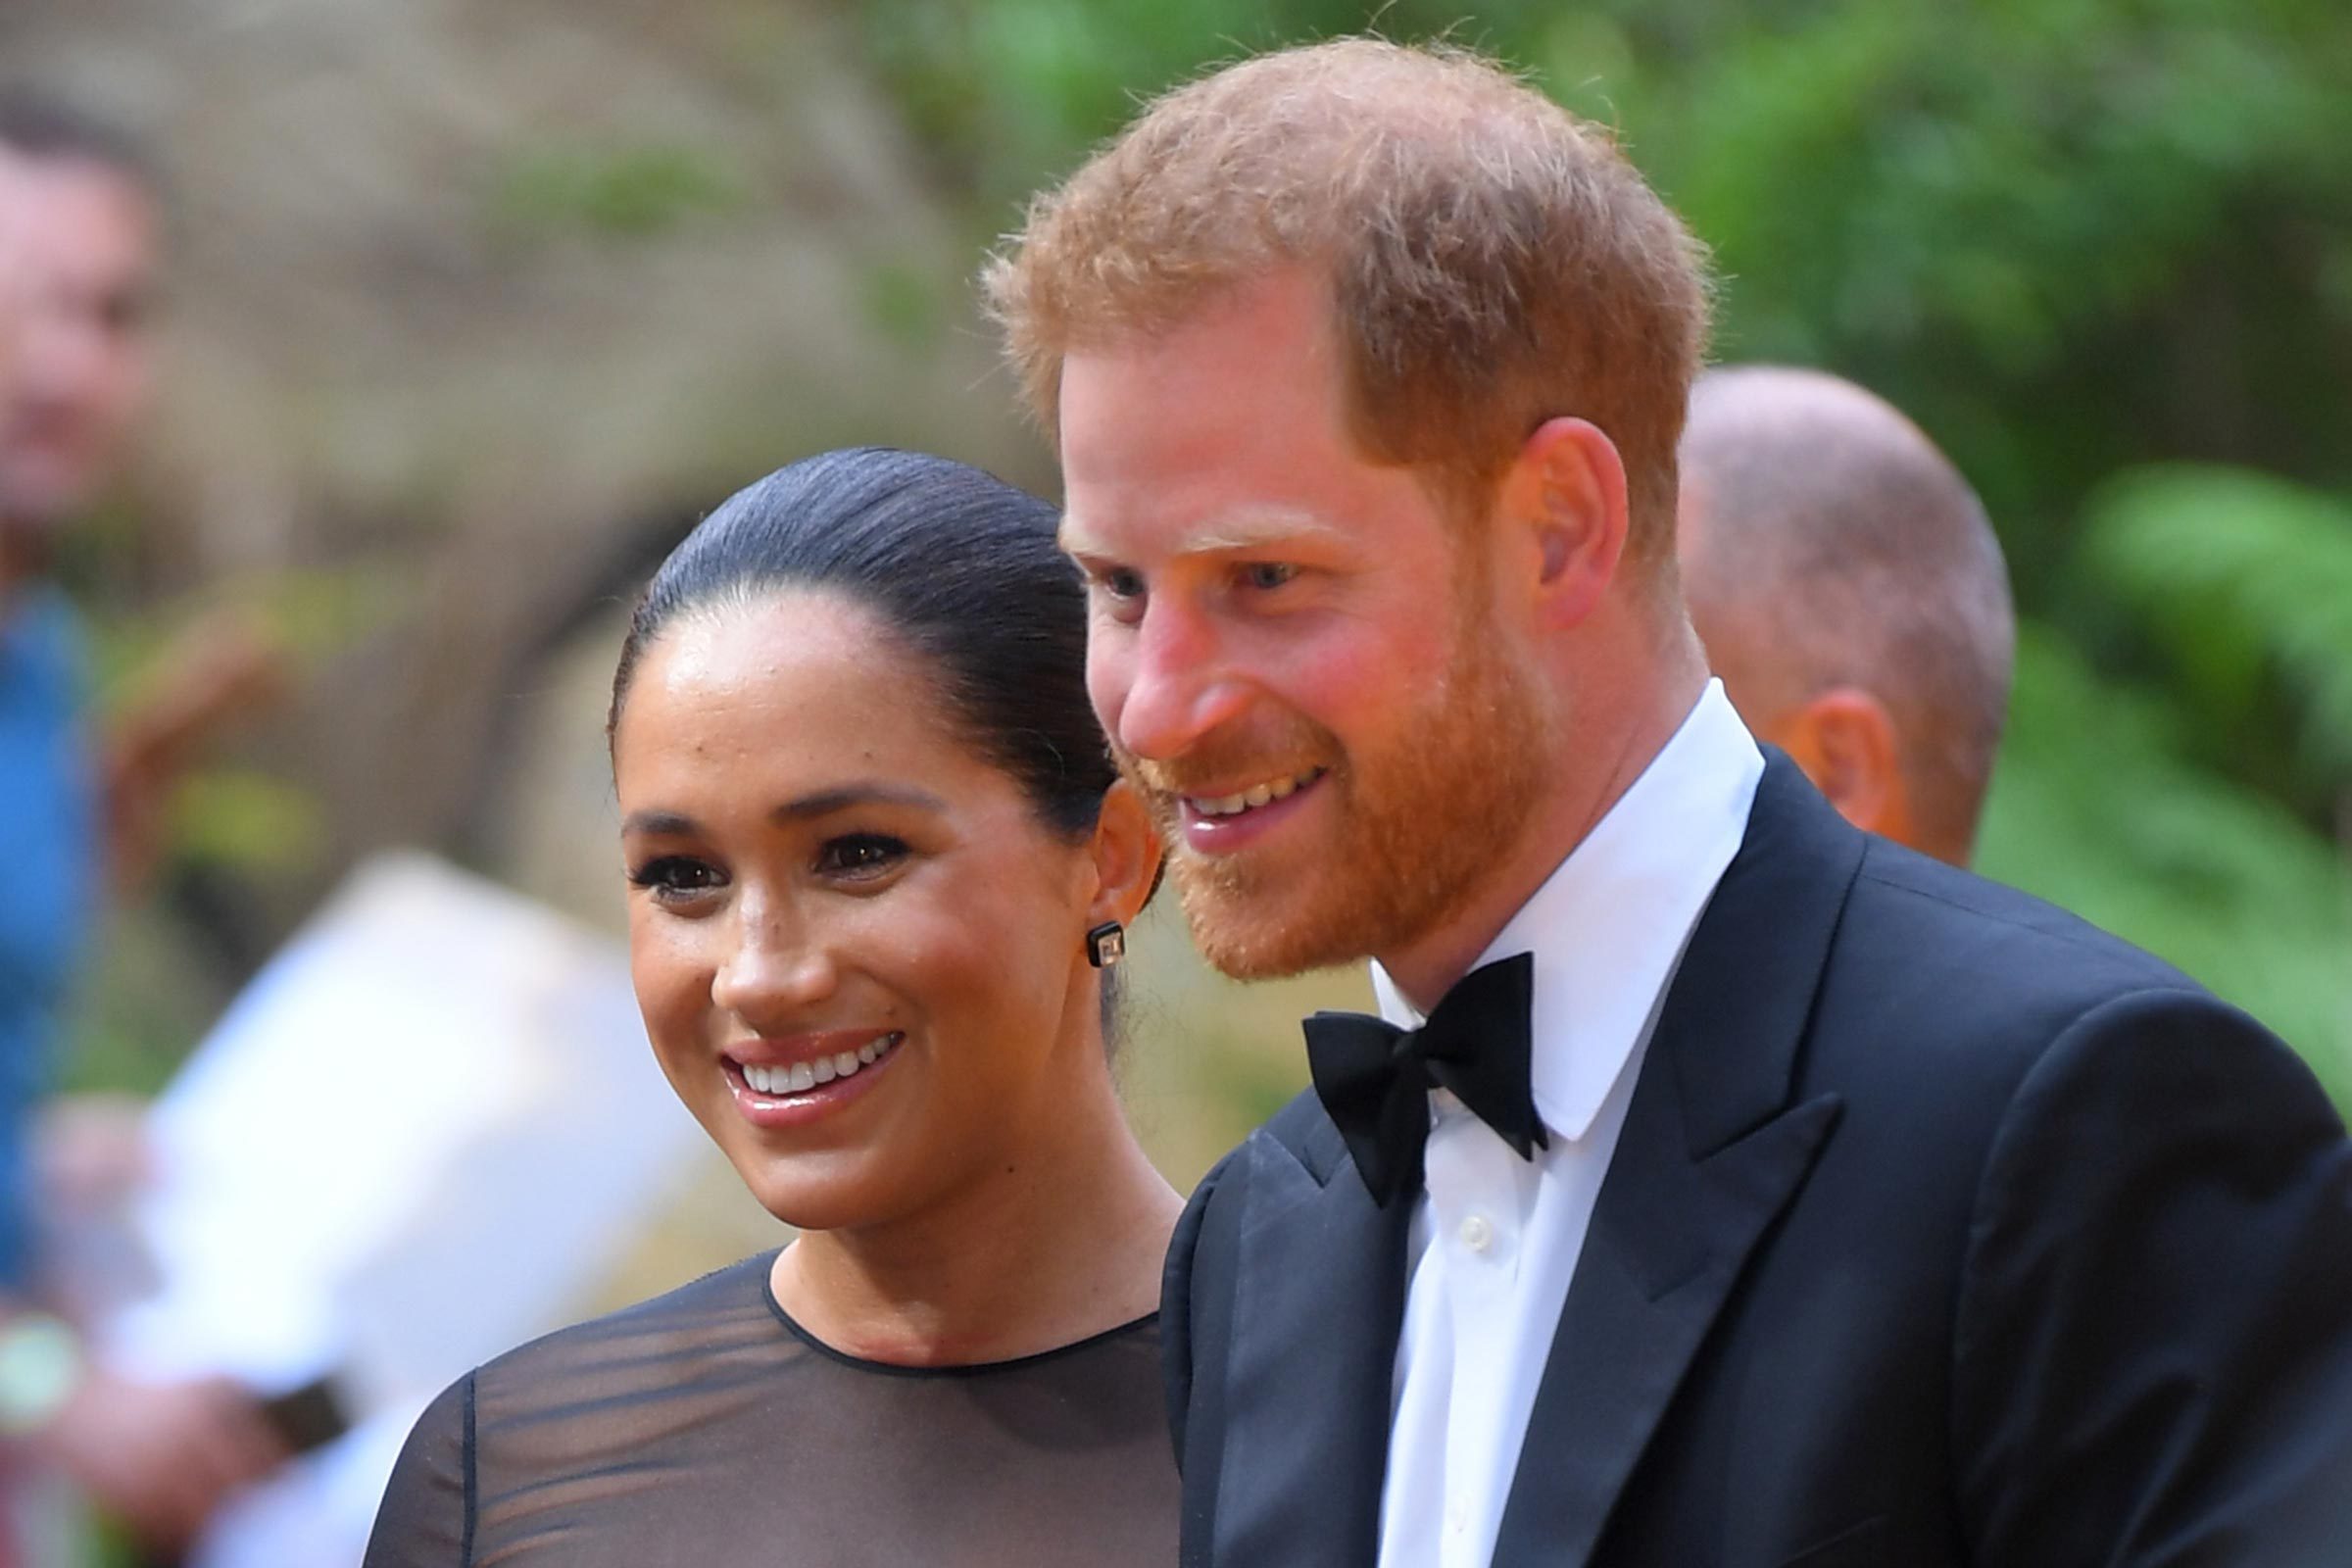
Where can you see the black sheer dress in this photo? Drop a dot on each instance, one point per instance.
(706, 1427)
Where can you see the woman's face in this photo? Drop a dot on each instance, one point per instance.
(860, 955)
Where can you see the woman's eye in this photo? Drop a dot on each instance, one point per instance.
(859, 855)
(1268, 574)
(674, 878)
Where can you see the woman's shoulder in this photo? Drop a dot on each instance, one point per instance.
(723, 1313)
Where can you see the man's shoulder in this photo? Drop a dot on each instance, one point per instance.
(1297, 1142)
(1948, 939)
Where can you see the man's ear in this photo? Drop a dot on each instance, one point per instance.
(1561, 515)
(1126, 852)
(1846, 740)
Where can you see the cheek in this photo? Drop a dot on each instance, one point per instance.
(967, 959)
(1110, 672)
(1356, 678)
(670, 967)
(982, 958)
(127, 383)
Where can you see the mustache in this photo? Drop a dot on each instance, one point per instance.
(1222, 759)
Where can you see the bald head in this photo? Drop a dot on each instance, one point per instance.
(1835, 562)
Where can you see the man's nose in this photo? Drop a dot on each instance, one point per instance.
(1182, 684)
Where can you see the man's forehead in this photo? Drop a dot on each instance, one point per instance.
(75, 201)
(1227, 530)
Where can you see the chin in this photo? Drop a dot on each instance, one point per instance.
(1258, 937)
(809, 1199)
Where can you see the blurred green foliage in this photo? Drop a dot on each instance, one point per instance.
(627, 192)
(2100, 249)
(151, 995)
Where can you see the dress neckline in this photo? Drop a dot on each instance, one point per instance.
(793, 1326)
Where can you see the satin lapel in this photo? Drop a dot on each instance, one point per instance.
(1321, 1283)
(1710, 1153)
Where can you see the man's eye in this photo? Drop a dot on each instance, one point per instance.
(859, 855)
(674, 878)
(1265, 575)
(1119, 593)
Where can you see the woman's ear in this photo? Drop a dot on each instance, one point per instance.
(1126, 854)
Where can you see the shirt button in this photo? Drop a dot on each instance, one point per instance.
(1477, 1235)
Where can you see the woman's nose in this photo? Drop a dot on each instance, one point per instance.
(775, 971)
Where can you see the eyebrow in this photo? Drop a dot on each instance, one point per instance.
(824, 803)
(1256, 529)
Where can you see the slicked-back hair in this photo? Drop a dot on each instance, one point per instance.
(963, 570)
(1841, 547)
(1493, 261)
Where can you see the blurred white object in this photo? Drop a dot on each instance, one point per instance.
(423, 1132)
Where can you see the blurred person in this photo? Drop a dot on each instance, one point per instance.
(1851, 596)
(878, 864)
(79, 209)
(1719, 1184)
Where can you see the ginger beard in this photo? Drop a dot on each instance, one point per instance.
(1407, 830)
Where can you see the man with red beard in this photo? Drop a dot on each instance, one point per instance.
(1719, 1185)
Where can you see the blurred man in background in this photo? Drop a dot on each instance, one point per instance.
(1851, 595)
(79, 226)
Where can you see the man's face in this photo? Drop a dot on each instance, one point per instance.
(12, 279)
(1293, 648)
(85, 243)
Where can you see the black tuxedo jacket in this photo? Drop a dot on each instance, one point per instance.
(1943, 1228)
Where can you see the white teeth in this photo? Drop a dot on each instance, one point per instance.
(802, 1076)
(1259, 795)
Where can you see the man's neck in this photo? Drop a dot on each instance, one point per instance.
(1602, 760)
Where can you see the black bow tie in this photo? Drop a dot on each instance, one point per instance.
(1374, 1078)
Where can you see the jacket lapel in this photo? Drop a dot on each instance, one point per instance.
(1321, 1282)
(1710, 1153)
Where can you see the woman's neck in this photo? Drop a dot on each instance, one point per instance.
(1062, 1243)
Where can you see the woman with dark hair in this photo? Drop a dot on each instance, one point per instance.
(878, 862)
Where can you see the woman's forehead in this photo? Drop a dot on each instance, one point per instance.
(797, 688)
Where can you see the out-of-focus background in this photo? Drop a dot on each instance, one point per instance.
(470, 309)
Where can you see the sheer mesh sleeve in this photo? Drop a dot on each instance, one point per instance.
(427, 1518)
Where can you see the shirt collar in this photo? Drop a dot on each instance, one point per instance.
(1608, 925)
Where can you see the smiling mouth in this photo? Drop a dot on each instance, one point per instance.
(799, 1077)
(1250, 800)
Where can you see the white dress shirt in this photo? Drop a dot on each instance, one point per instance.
(1495, 1239)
